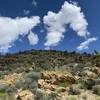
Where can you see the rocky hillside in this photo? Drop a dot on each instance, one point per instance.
(50, 75)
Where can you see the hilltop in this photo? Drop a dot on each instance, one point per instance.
(50, 75)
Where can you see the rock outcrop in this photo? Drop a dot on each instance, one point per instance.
(25, 95)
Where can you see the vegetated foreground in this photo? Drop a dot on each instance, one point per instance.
(50, 75)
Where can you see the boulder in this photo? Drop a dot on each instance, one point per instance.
(25, 95)
(58, 77)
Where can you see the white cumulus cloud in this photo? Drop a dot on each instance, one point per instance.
(70, 14)
(85, 44)
(11, 29)
(33, 38)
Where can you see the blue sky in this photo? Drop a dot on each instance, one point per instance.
(37, 34)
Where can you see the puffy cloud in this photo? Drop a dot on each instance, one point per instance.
(70, 14)
(11, 29)
(74, 2)
(54, 38)
(85, 45)
(33, 38)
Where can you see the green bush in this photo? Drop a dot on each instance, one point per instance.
(19, 83)
(3, 87)
(28, 81)
(52, 96)
(11, 90)
(73, 90)
(87, 84)
(96, 89)
(71, 98)
(97, 81)
(7, 92)
(33, 75)
(40, 95)
(64, 84)
(33, 85)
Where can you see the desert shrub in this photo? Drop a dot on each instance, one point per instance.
(71, 98)
(64, 84)
(73, 90)
(85, 83)
(33, 87)
(78, 68)
(5, 96)
(1, 75)
(33, 75)
(52, 96)
(6, 92)
(11, 90)
(60, 89)
(96, 89)
(19, 83)
(40, 95)
(97, 81)
(89, 83)
(30, 82)
(80, 83)
(3, 87)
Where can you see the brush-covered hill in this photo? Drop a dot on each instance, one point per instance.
(50, 75)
